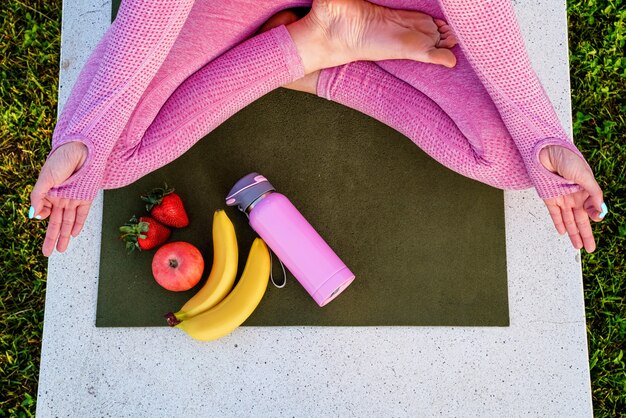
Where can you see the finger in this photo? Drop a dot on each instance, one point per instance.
(584, 228)
(81, 216)
(54, 227)
(596, 197)
(440, 22)
(38, 196)
(592, 211)
(570, 226)
(557, 219)
(69, 215)
(45, 210)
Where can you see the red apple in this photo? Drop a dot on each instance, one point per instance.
(177, 266)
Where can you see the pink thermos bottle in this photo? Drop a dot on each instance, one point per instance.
(291, 238)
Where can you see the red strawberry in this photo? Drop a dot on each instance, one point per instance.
(166, 207)
(144, 234)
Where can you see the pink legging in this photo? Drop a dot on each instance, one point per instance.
(167, 73)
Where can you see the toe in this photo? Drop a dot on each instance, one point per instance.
(447, 43)
(445, 30)
(441, 56)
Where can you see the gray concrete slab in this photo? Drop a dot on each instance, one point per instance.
(536, 367)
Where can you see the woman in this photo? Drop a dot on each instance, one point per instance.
(167, 73)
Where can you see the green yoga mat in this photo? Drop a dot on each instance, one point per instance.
(427, 245)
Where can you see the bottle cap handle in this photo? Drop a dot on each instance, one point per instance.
(248, 189)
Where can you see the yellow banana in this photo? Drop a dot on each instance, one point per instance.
(223, 272)
(231, 312)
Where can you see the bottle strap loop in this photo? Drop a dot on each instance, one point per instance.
(284, 282)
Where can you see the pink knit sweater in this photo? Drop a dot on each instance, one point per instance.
(167, 73)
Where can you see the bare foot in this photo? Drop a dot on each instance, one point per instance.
(570, 213)
(399, 24)
(337, 32)
(308, 83)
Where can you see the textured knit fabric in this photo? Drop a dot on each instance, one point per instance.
(490, 37)
(200, 32)
(483, 151)
(131, 54)
(155, 85)
(209, 97)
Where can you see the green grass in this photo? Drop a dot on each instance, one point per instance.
(598, 69)
(29, 56)
(29, 47)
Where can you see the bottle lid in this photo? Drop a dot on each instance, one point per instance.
(248, 189)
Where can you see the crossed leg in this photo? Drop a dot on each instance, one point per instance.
(464, 143)
(138, 151)
(503, 151)
(136, 50)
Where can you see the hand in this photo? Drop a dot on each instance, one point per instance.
(67, 216)
(570, 213)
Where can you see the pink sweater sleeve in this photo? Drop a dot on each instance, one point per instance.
(478, 148)
(490, 37)
(112, 82)
(79, 90)
(205, 100)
